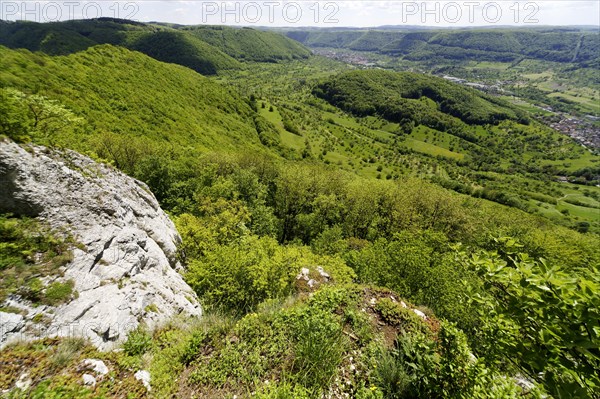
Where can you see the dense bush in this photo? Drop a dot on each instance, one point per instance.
(540, 317)
(138, 342)
(240, 275)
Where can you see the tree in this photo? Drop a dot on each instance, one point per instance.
(13, 121)
(541, 318)
(583, 227)
(22, 114)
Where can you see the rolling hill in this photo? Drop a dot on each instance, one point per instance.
(132, 95)
(206, 50)
(249, 44)
(419, 98)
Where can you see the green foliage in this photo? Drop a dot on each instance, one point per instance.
(58, 292)
(409, 370)
(14, 122)
(68, 37)
(138, 342)
(67, 351)
(222, 223)
(542, 318)
(418, 266)
(301, 347)
(183, 49)
(249, 44)
(25, 116)
(421, 367)
(283, 391)
(391, 376)
(398, 97)
(402, 243)
(398, 316)
(244, 273)
(54, 367)
(207, 50)
(142, 108)
(319, 349)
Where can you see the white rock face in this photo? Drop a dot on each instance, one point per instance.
(10, 323)
(126, 270)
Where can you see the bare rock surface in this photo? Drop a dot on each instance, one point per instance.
(125, 267)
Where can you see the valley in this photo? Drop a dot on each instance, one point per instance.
(226, 212)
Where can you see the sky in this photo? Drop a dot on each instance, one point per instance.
(322, 13)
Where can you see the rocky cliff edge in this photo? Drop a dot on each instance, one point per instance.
(124, 267)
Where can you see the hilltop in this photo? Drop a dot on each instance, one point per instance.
(399, 97)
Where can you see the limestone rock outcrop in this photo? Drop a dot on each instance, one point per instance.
(125, 267)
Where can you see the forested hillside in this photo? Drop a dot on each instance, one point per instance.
(207, 50)
(505, 45)
(151, 103)
(249, 44)
(401, 97)
(349, 233)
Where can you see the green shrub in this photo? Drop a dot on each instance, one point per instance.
(424, 366)
(138, 342)
(391, 376)
(239, 276)
(14, 121)
(29, 251)
(32, 290)
(393, 313)
(540, 316)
